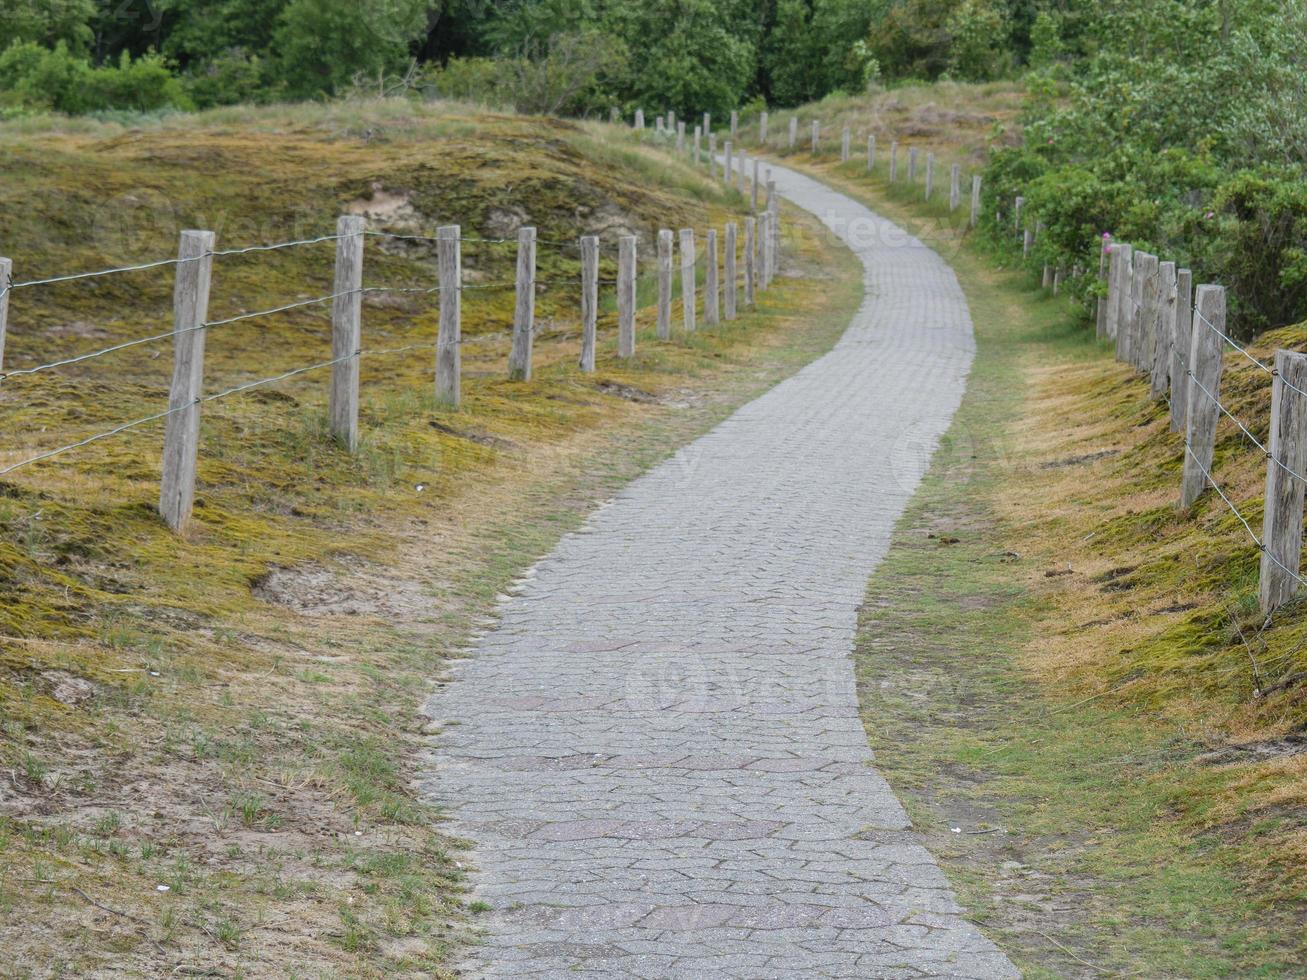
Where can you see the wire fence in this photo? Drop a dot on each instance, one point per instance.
(194, 272)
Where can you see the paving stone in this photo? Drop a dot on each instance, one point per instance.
(659, 754)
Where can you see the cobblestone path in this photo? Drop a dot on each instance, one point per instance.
(658, 750)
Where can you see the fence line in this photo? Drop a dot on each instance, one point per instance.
(194, 270)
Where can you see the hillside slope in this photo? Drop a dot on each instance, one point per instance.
(209, 741)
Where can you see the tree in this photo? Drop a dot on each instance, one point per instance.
(48, 22)
(320, 46)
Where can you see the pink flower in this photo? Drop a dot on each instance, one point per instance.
(1209, 215)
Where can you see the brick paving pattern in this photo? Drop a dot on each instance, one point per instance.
(658, 751)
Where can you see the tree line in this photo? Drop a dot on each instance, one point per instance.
(567, 56)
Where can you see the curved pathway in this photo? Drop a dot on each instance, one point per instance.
(659, 753)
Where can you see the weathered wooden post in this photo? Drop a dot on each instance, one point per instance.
(753, 187)
(449, 341)
(844, 145)
(893, 161)
(712, 155)
(519, 359)
(727, 173)
(1046, 281)
(794, 131)
(1016, 212)
(181, 436)
(664, 284)
(750, 246)
(711, 286)
(1100, 318)
(707, 122)
(954, 187)
(346, 332)
(740, 169)
(730, 279)
(871, 152)
(912, 165)
(613, 114)
(671, 120)
(688, 285)
(816, 135)
(1184, 325)
(6, 283)
(1282, 518)
(975, 199)
(735, 125)
(930, 174)
(1164, 334)
(698, 146)
(639, 120)
(762, 128)
(764, 250)
(589, 300)
(680, 138)
(1205, 364)
(1124, 298)
(626, 296)
(1145, 336)
(1026, 240)
(660, 124)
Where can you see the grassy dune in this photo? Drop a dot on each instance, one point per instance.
(209, 743)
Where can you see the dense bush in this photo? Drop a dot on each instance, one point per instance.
(1182, 129)
(34, 77)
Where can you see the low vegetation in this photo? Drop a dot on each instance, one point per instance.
(210, 742)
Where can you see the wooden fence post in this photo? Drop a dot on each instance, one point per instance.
(671, 120)
(688, 285)
(740, 169)
(660, 124)
(1164, 336)
(762, 128)
(844, 145)
(930, 174)
(449, 343)
(711, 286)
(664, 284)
(816, 135)
(1184, 325)
(346, 332)
(1282, 519)
(589, 300)
(182, 428)
(1124, 298)
(519, 359)
(893, 161)
(871, 152)
(6, 283)
(1046, 281)
(1100, 313)
(975, 199)
(712, 155)
(912, 165)
(1145, 335)
(626, 296)
(750, 244)
(707, 122)
(1016, 212)
(753, 190)
(680, 138)
(698, 146)
(1205, 363)
(954, 188)
(1026, 240)
(727, 173)
(794, 131)
(639, 120)
(729, 281)
(735, 125)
